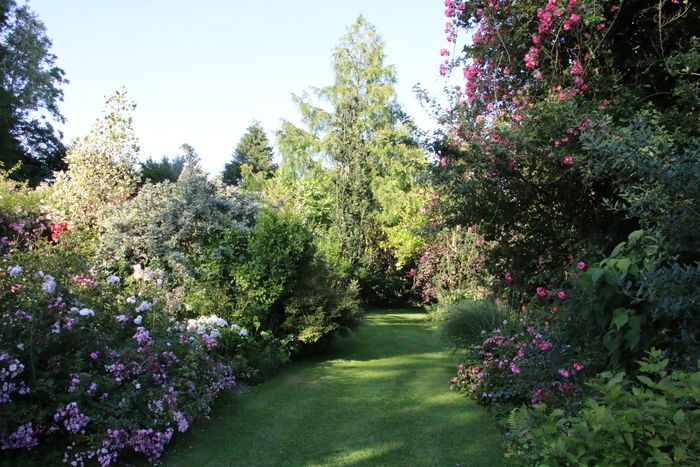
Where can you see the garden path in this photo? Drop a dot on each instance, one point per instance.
(379, 397)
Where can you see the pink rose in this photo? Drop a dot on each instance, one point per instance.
(541, 292)
(562, 295)
(577, 366)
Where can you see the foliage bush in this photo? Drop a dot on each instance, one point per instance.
(452, 266)
(652, 419)
(280, 285)
(170, 225)
(632, 301)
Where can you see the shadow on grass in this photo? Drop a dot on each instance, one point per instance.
(381, 398)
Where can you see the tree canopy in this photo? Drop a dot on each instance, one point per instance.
(30, 90)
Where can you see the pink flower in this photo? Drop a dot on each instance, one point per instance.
(538, 75)
(94, 355)
(577, 366)
(508, 277)
(576, 68)
(564, 387)
(574, 18)
(564, 373)
(567, 160)
(541, 292)
(538, 395)
(556, 309)
(443, 162)
(580, 265)
(444, 52)
(544, 345)
(499, 302)
(443, 69)
(561, 295)
(514, 368)
(15, 288)
(412, 272)
(530, 58)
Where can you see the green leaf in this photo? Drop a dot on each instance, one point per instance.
(679, 417)
(629, 440)
(623, 264)
(655, 443)
(620, 317)
(595, 274)
(646, 380)
(636, 235)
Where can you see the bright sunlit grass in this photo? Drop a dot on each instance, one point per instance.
(381, 397)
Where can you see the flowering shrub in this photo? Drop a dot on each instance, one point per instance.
(513, 366)
(91, 363)
(540, 78)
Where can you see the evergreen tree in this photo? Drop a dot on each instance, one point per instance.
(252, 161)
(357, 133)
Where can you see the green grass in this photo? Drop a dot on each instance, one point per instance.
(379, 398)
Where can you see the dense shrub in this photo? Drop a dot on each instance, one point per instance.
(632, 301)
(652, 420)
(279, 285)
(21, 220)
(171, 225)
(95, 365)
(452, 266)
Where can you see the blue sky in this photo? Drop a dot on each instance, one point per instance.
(200, 72)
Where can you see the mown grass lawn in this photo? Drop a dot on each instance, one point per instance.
(379, 398)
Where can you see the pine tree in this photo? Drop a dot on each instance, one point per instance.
(252, 161)
(357, 133)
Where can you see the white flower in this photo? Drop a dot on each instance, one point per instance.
(138, 272)
(243, 332)
(112, 280)
(14, 271)
(131, 300)
(20, 346)
(121, 318)
(74, 309)
(39, 275)
(49, 284)
(13, 367)
(138, 319)
(144, 306)
(86, 312)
